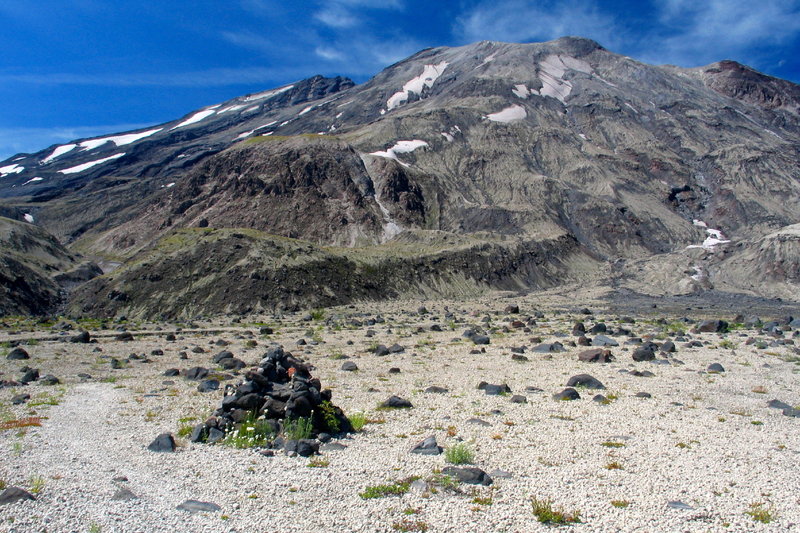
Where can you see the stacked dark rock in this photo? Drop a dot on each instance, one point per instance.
(280, 388)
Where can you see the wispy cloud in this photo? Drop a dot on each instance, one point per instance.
(701, 32)
(524, 20)
(29, 140)
(341, 14)
(203, 78)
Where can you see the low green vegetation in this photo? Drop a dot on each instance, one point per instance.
(459, 454)
(620, 504)
(298, 428)
(358, 421)
(547, 514)
(612, 444)
(760, 512)
(398, 488)
(254, 432)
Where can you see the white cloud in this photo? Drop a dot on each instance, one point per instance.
(326, 52)
(341, 14)
(523, 20)
(702, 32)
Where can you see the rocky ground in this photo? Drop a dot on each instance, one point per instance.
(675, 445)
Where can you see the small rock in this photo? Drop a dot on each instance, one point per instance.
(567, 394)
(22, 398)
(124, 494)
(585, 380)
(208, 385)
(195, 373)
(349, 366)
(518, 398)
(480, 339)
(429, 446)
(497, 473)
(195, 506)
(395, 402)
(715, 368)
(332, 447)
(602, 340)
(712, 326)
(792, 412)
(596, 355)
(471, 475)
(777, 404)
(15, 494)
(82, 338)
(49, 379)
(433, 389)
(643, 395)
(125, 336)
(644, 352)
(165, 442)
(677, 504)
(599, 398)
(18, 354)
(170, 372)
(478, 422)
(551, 347)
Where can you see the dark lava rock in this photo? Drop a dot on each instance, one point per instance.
(712, 326)
(494, 390)
(433, 389)
(599, 398)
(170, 372)
(602, 340)
(381, 350)
(163, 443)
(396, 402)
(679, 505)
(511, 309)
(195, 506)
(123, 495)
(396, 348)
(598, 328)
(584, 341)
(49, 379)
(332, 447)
(429, 446)
(15, 494)
(668, 347)
(478, 422)
(302, 447)
(224, 354)
(208, 385)
(30, 375)
(232, 363)
(596, 355)
(82, 338)
(578, 329)
(715, 368)
(777, 404)
(553, 347)
(643, 395)
(349, 366)
(567, 394)
(519, 358)
(585, 380)
(792, 412)
(644, 352)
(195, 373)
(519, 398)
(170, 337)
(394, 370)
(19, 399)
(480, 339)
(125, 336)
(18, 354)
(471, 475)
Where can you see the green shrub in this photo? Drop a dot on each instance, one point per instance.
(358, 421)
(459, 454)
(761, 513)
(397, 488)
(297, 429)
(329, 415)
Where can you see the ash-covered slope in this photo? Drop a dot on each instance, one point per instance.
(530, 141)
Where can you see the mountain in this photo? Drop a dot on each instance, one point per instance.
(556, 162)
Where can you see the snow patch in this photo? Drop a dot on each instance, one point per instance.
(489, 59)
(230, 108)
(522, 91)
(400, 147)
(119, 140)
(197, 117)
(582, 136)
(58, 152)
(447, 136)
(715, 237)
(416, 85)
(267, 94)
(28, 218)
(10, 169)
(306, 110)
(33, 180)
(552, 70)
(90, 164)
(632, 108)
(251, 109)
(509, 114)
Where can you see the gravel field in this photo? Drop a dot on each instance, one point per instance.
(703, 453)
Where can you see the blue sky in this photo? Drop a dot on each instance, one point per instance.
(73, 68)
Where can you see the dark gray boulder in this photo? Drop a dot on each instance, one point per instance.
(585, 380)
(165, 442)
(429, 446)
(469, 474)
(18, 354)
(567, 394)
(15, 494)
(396, 402)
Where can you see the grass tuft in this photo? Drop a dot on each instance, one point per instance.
(547, 514)
(459, 454)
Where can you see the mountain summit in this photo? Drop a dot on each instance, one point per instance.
(455, 171)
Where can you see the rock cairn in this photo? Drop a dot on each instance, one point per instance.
(278, 390)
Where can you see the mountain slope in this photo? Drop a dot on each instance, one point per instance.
(530, 141)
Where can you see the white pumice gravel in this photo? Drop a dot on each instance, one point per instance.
(719, 452)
